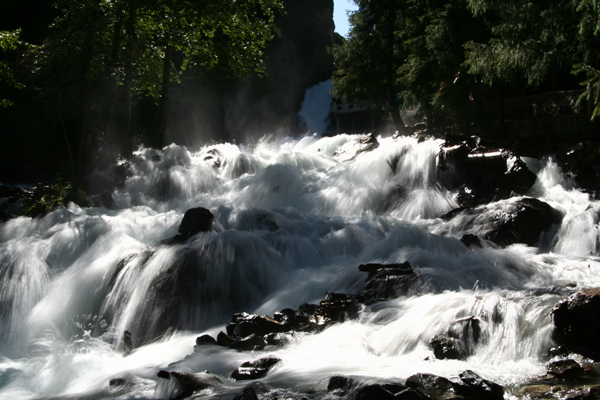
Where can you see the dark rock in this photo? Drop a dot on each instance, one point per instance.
(480, 175)
(479, 388)
(582, 163)
(386, 281)
(565, 369)
(446, 347)
(468, 331)
(433, 387)
(205, 340)
(522, 221)
(247, 324)
(373, 392)
(286, 318)
(249, 394)
(472, 241)
(276, 339)
(349, 150)
(255, 369)
(196, 220)
(117, 382)
(127, 343)
(340, 384)
(558, 351)
(338, 307)
(224, 340)
(409, 394)
(249, 343)
(164, 374)
(577, 323)
(183, 385)
(466, 196)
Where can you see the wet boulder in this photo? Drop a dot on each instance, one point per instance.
(577, 323)
(386, 281)
(349, 150)
(196, 220)
(434, 387)
(487, 174)
(254, 369)
(475, 387)
(340, 384)
(446, 347)
(521, 221)
(565, 369)
(180, 385)
(338, 307)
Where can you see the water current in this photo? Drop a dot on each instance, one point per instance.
(291, 223)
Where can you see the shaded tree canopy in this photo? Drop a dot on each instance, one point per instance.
(444, 55)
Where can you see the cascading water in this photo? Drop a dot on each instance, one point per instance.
(291, 223)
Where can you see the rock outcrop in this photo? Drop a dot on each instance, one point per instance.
(577, 323)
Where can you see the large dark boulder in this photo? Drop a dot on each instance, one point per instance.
(196, 220)
(480, 175)
(522, 221)
(577, 323)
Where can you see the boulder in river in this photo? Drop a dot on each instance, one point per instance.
(196, 220)
(522, 222)
(577, 323)
(181, 385)
(446, 347)
(489, 174)
(254, 369)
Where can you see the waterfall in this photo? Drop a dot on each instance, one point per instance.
(291, 223)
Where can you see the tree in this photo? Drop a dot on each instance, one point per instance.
(531, 42)
(433, 74)
(589, 32)
(367, 62)
(400, 54)
(9, 41)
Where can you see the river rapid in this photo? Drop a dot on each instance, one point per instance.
(291, 223)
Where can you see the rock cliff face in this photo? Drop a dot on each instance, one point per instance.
(297, 60)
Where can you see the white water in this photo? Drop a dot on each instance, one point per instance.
(291, 223)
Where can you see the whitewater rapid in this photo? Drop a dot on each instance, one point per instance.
(291, 223)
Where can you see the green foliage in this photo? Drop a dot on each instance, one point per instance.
(9, 41)
(94, 44)
(444, 56)
(400, 54)
(530, 40)
(46, 198)
(589, 30)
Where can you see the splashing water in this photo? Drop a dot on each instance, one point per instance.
(291, 223)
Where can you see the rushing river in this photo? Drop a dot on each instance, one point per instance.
(291, 223)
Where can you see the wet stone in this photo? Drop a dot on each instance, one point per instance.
(254, 369)
(446, 347)
(565, 369)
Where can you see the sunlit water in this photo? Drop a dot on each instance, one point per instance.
(291, 223)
